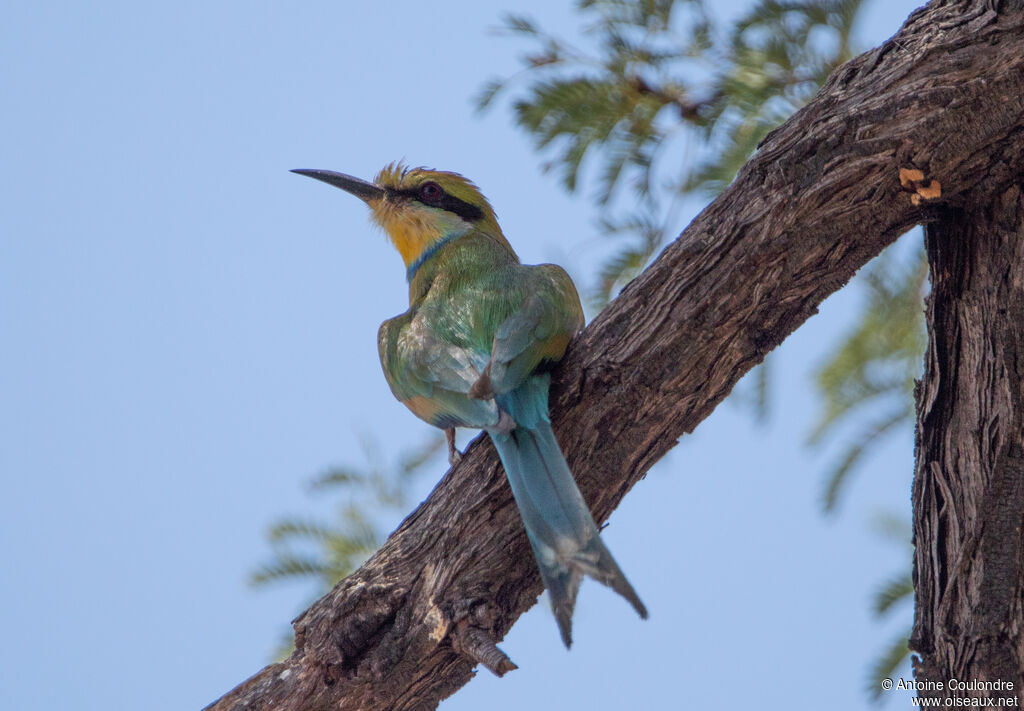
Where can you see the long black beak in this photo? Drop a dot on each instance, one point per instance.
(360, 188)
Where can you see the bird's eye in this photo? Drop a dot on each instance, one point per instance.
(431, 192)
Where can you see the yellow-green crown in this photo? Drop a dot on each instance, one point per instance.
(468, 200)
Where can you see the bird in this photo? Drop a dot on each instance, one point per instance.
(476, 348)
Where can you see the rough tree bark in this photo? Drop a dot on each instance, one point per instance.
(969, 477)
(941, 100)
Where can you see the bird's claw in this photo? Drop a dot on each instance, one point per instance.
(454, 455)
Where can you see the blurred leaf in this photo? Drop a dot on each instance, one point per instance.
(891, 526)
(298, 529)
(303, 549)
(654, 66)
(285, 566)
(335, 477)
(887, 664)
(867, 383)
(519, 24)
(859, 447)
(897, 589)
(884, 351)
(487, 93)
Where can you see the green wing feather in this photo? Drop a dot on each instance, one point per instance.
(431, 376)
(538, 331)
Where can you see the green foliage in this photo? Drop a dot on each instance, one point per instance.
(896, 589)
(891, 594)
(655, 71)
(887, 664)
(868, 381)
(323, 552)
(867, 386)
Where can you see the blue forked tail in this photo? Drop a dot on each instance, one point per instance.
(562, 532)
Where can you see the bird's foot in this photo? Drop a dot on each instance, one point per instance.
(454, 455)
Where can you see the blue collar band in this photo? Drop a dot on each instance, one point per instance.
(428, 253)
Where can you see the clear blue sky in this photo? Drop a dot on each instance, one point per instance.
(189, 335)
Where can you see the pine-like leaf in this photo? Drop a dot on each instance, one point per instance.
(322, 552)
(891, 526)
(296, 528)
(895, 590)
(519, 24)
(855, 451)
(888, 663)
(287, 566)
(339, 476)
(487, 94)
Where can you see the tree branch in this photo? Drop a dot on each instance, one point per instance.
(969, 476)
(820, 198)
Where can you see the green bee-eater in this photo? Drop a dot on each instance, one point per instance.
(474, 350)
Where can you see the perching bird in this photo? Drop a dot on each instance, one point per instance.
(474, 350)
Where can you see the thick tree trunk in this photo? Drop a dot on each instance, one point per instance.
(935, 116)
(969, 478)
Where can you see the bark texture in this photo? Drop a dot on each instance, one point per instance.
(969, 478)
(940, 101)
